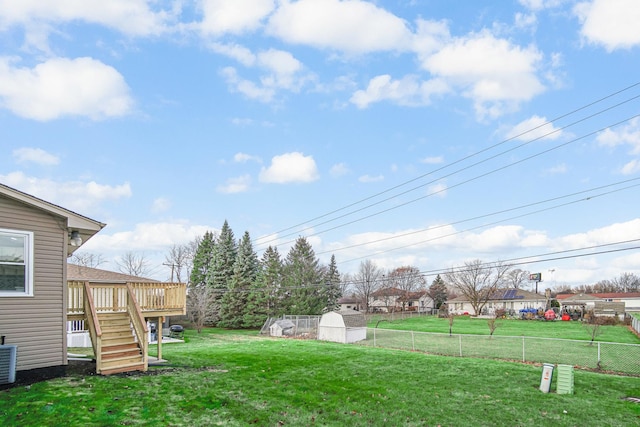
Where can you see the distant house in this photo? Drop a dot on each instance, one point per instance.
(631, 300)
(388, 300)
(351, 303)
(507, 299)
(36, 237)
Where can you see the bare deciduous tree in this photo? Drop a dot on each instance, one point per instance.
(180, 260)
(134, 264)
(87, 259)
(366, 281)
(200, 301)
(477, 282)
(517, 278)
(408, 279)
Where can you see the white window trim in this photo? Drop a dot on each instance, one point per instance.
(28, 292)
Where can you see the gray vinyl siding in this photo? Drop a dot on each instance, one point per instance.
(37, 324)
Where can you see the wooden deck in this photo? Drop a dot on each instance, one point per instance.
(115, 314)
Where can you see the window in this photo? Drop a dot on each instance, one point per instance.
(16, 263)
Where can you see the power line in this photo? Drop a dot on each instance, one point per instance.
(429, 229)
(261, 239)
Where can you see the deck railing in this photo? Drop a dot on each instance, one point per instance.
(154, 297)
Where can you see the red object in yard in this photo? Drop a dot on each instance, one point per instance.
(566, 317)
(550, 314)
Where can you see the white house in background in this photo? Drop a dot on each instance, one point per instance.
(344, 326)
(351, 303)
(631, 300)
(388, 300)
(512, 300)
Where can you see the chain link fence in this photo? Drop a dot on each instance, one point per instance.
(605, 356)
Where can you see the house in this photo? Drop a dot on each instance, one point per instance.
(631, 300)
(512, 300)
(350, 303)
(344, 326)
(37, 298)
(385, 300)
(393, 299)
(36, 237)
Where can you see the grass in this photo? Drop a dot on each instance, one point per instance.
(509, 327)
(238, 378)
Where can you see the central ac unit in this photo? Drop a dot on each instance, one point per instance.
(8, 355)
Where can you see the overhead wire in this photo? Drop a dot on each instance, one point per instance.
(473, 165)
(517, 136)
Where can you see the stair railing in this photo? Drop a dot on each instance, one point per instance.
(94, 324)
(139, 324)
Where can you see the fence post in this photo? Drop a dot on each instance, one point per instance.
(374, 337)
(413, 342)
(598, 364)
(523, 353)
(460, 341)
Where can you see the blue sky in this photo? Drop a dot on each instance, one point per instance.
(423, 133)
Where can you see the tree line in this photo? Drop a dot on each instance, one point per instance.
(231, 287)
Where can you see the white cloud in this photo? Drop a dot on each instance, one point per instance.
(146, 237)
(290, 167)
(35, 155)
(352, 26)
(534, 128)
(63, 87)
(626, 135)
(131, 17)
(610, 23)
(78, 196)
(238, 184)
(631, 168)
(243, 158)
(235, 51)
(433, 160)
(247, 87)
(558, 169)
(161, 204)
(370, 178)
(438, 189)
(233, 16)
(338, 170)
(409, 91)
(279, 69)
(496, 74)
(618, 232)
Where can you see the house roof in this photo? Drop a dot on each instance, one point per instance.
(81, 273)
(412, 296)
(505, 295)
(581, 297)
(86, 227)
(608, 295)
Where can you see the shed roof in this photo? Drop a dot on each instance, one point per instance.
(352, 318)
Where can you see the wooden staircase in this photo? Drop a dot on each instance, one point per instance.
(119, 350)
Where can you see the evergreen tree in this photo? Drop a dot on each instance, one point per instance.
(201, 260)
(438, 292)
(220, 269)
(263, 295)
(332, 290)
(234, 301)
(303, 280)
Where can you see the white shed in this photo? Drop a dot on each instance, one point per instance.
(344, 326)
(282, 327)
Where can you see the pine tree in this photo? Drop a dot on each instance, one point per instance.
(332, 291)
(438, 292)
(303, 280)
(263, 295)
(234, 301)
(201, 260)
(220, 269)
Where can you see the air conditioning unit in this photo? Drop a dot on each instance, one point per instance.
(8, 354)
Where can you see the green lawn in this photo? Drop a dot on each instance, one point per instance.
(509, 327)
(236, 379)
